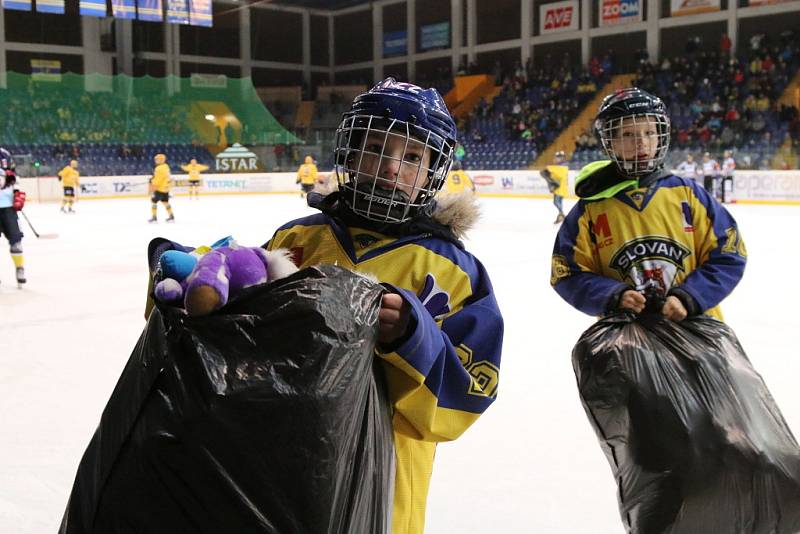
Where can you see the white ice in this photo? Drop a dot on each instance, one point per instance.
(531, 464)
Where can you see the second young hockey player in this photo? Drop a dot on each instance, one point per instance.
(639, 235)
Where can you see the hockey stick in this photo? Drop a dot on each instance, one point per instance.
(37, 234)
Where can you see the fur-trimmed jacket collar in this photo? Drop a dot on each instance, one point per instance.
(449, 216)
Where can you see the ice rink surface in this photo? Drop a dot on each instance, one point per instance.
(531, 464)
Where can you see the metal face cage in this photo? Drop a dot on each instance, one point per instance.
(389, 170)
(637, 144)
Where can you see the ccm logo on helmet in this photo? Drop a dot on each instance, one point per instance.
(638, 105)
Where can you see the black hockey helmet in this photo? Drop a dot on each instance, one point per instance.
(635, 105)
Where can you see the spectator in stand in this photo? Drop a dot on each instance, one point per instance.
(725, 45)
(460, 153)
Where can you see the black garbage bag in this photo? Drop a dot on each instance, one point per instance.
(695, 441)
(269, 416)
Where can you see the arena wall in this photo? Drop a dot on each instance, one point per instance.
(771, 187)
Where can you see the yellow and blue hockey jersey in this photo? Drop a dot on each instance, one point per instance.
(446, 372)
(661, 233)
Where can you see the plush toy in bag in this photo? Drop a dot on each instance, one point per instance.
(205, 278)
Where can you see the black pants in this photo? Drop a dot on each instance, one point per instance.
(708, 183)
(726, 180)
(9, 225)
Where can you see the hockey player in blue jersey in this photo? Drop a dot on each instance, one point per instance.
(440, 329)
(640, 236)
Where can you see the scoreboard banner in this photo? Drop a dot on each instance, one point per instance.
(151, 10)
(18, 5)
(123, 9)
(200, 13)
(50, 6)
(177, 11)
(93, 8)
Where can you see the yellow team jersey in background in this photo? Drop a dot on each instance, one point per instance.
(458, 181)
(194, 170)
(69, 176)
(161, 178)
(560, 174)
(307, 173)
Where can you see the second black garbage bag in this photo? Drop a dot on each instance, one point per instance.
(694, 439)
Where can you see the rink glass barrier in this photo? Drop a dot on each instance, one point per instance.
(755, 187)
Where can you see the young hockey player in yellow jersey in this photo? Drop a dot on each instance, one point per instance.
(307, 176)
(194, 169)
(639, 235)
(70, 180)
(440, 330)
(159, 187)
(458, 180)
(556, 176)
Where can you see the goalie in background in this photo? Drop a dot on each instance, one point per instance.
(556, 177)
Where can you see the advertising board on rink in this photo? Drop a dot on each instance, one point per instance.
(748, 186)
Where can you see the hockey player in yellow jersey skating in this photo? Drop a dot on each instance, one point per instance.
(70, 181)
(307, 176)
(556, 176)
(458, 180)
(193, 169)
(159, 188)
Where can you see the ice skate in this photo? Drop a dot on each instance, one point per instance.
(171, 218)
(152, 220)
(559, 219)
(20, 277)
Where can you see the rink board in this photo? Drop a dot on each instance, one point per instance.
(768, 187)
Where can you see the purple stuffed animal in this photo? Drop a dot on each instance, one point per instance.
(222, 273)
